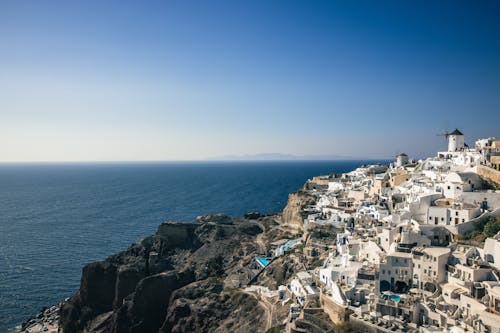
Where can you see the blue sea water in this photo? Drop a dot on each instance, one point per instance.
(55, 218)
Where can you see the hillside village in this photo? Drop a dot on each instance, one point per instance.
(409, 247)
(413, 246)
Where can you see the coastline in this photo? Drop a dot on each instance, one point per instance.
(48, 319)
(324, 264)
(75, 215)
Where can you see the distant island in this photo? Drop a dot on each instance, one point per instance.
(282, 157)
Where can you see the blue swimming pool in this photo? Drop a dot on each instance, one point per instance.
(395, 298)
(263, 261)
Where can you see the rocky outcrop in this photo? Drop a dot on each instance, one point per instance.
(145, 311)
(128, 276)
(96, 296)
(293, 214)
(201, 307)
(184, 278)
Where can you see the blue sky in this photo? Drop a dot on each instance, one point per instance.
(176, 80)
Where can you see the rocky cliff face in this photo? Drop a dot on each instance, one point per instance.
(293, 216)
(185, 278)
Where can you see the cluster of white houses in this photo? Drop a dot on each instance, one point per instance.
(399, 263)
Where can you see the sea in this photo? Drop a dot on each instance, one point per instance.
(57, 217)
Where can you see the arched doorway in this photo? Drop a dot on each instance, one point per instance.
(385, 285)
(400, 287)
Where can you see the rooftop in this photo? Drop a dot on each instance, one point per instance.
(456, 132)
(436, 251)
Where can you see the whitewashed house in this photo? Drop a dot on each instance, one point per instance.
(429, 266)
(458, 182)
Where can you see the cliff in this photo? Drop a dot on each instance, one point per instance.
(188, 277)
(293, 214)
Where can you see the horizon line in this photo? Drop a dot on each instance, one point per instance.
(208, 160)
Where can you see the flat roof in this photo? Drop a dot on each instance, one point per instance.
(436, 251)
(400, 254)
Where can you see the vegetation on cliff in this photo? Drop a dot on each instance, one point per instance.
(485, 227)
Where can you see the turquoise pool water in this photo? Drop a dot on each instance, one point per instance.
(395, 298)
(263, 261)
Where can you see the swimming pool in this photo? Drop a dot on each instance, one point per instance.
(395, 298)
(263, 261)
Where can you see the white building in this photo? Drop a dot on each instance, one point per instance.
(369, 251)
(492, 251)
(401, 160)
(429, 266)
(456, 141)
(458, 182)
(448, 212)
(301, 287)
(396, 272)
(467, 266)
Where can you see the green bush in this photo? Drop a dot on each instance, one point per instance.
(485, 227)
(491, 228)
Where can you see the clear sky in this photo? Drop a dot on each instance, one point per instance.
(170, 80)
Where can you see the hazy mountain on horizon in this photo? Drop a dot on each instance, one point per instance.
(282, 157)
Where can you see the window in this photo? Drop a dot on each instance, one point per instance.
(463, 220)
(449, 188)
(430, 217)
(425, 271)
(383, 271)
(442, 219)
(435, 259)
(456, 213)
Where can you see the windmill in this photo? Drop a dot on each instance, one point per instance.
(454, 139)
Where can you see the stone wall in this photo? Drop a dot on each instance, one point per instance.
(338, 314)
(492, 176)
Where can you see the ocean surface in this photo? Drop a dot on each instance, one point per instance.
(55, 218)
